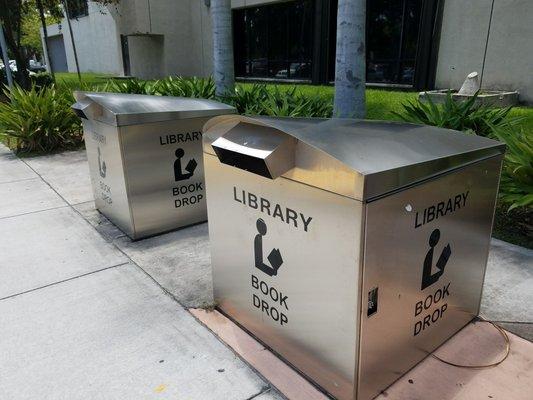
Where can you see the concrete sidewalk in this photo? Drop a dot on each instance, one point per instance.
(80, 319)
(87, 313)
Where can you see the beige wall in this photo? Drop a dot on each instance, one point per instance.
(180, 32)
(186, 29)
(509, 60)
(97, 41)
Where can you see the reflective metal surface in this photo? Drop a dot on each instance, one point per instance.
(121, 109)
(419, 308)
(162, 193)
(352, 293)
(258, 149)
(147, 178)
(365, 159)
(106, 167)
(293, 287)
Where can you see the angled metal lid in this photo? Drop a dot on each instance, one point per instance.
(356, 158)
(120, 109)
(260, 150)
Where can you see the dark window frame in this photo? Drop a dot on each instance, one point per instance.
(423, 63)
(250, 65)
(77, 8)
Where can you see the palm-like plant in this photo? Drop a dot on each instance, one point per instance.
(40, 119)
(465, 116)
(131, 86)
(516, 184)
(203, 88)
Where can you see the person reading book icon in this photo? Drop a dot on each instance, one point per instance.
(428, 278)
(101, 164)
(190, 167)
(274, 257)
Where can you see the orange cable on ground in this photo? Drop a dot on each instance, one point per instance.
(507, 351)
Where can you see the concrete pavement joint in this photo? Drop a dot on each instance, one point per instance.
(19, 180)
(64, 280)
(33, 212)
(514, 322)
(262, 392)
(45, 181)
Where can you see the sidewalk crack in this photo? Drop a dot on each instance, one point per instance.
(64, 280)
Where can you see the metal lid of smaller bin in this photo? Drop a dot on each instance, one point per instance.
(356, 158)
(119, 109)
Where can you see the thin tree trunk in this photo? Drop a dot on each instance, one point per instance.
(12, 34)
(223, 68)
(5, 57)
(350, 63)
(45, 34)
(65, 8)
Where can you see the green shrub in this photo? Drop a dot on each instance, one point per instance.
(259, 99)
(462, 116)
(171, 86)
(247, 99)
(42, 79)
(40, 120)
(516, 184)
(131, 86)
(514, 226)
(203, 88)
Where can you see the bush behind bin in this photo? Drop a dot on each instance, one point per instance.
(39, 120)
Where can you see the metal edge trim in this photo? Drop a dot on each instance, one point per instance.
(491, 230)
(126, 182)
(489, 152)
(362, 254)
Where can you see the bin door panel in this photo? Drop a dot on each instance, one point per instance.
(424, 262)
(165, 174)
(107, 173)
(285, 260)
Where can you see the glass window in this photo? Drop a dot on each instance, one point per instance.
(392, 30)
(77, 8)
(274, 41)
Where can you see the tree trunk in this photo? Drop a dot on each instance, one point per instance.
(45, 34)
(10, 14)
(66, 12)
(5, 57)
(350, 63)
(223, 68)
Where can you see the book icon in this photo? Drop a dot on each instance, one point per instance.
(274, 258)
(191, 166)
(179, 175)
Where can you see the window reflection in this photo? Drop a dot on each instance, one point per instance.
(392, 30)
(274, 41)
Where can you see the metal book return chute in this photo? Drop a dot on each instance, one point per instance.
(351, 248)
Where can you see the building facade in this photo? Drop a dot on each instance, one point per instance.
(418, 44)
(96, 38)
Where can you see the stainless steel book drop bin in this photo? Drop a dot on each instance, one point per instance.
(351, 248)
(145, 158)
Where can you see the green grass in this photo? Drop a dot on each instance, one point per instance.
(379, 102)
(527, 114)
(88, 79)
